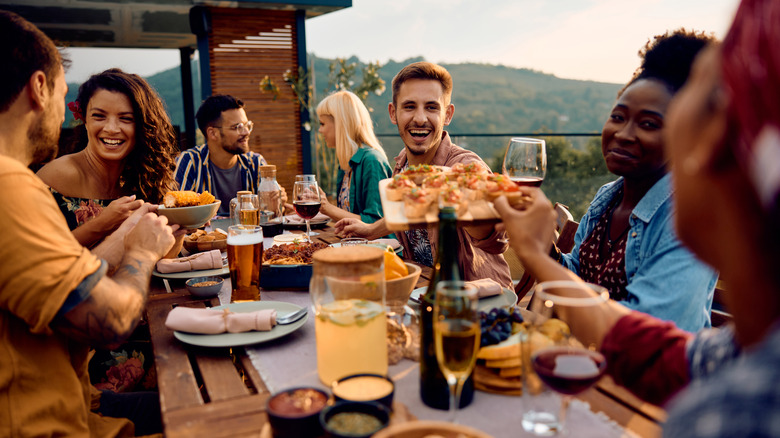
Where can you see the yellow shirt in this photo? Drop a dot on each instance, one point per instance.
(44, 384)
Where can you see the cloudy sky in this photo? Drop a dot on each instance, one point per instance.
(574, 39)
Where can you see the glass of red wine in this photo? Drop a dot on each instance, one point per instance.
(306, 200)
(559, 351)
(525, 161)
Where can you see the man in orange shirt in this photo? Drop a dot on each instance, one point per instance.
(56, 298)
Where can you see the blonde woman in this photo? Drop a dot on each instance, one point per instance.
(345, 125)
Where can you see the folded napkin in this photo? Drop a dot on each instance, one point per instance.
(214, 321)
(394, 243)
(196, 262)
(486, 287)
(295, 219)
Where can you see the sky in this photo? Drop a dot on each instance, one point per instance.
(574, 39)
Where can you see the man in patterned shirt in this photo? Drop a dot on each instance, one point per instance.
(224, 165)
(421, 107)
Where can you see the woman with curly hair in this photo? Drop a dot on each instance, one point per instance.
(128, 157)
(626, 241)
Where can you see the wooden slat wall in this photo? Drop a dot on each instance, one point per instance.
(237, 68)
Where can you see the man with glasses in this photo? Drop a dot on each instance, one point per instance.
(224, 165)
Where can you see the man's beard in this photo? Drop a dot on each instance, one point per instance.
(236, 148)
(43, 141)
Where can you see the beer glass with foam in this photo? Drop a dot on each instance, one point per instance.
(245, 259)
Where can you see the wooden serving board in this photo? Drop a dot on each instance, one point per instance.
(479, 212)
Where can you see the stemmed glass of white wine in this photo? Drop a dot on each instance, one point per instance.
(456, 334)
(525, 161)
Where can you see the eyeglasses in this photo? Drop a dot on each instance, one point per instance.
(239, 127)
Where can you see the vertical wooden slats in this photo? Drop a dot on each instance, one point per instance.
(245, 45)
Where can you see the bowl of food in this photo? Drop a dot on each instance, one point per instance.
(398, 290)
(204, 287)
(188, 209)
(295, 412)
(425, 428)
(348, 419)
(201, 241)
(364, 387)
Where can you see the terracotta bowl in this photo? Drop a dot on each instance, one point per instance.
(398, 290)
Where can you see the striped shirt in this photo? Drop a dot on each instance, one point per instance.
(192, 170)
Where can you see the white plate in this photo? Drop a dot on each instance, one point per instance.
(302, 225)
(506, 300)
(192, 274)
(246, 338)
(398, 251)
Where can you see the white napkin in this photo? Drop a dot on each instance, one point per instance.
(196, 262)
(214, 321)
(295, 219)
(486, 287)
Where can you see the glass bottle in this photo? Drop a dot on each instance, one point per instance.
(434, 390)
(234, 219)
(270, 193)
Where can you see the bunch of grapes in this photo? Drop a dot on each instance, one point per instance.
(497, 325)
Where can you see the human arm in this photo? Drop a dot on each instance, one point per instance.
(106, 221)
(114, 305)
(332, 211)
(355, 228)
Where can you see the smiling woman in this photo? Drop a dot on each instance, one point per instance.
(126, 146)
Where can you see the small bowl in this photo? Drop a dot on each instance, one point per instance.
(195, 216)
(363, 388)
(398, 290)
(374, 409)
(194, 246)
(287, 417)
(424, 428)
(204, 291)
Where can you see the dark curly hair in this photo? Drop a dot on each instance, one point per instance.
(668, 57)
(148, 171)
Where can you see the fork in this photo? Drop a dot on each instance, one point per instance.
(291, 317)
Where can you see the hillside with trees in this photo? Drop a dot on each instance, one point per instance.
(489, 99)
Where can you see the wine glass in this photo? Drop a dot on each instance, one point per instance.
(456, 334)
(306, 200)
(525, 161)
(559, 350)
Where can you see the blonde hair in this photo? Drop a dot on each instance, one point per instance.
(352, 123)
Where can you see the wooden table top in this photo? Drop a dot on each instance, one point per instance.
(217, 392)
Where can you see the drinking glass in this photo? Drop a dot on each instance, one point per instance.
(306, 200)
(306, 177)
(456, 334)
(248, 209)
(245, 259)
(525, 161)
(558, 351)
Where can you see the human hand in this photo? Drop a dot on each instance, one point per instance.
(531, 231)
(118, 211)
(152, 234)
(350, 227)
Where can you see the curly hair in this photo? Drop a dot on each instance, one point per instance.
(668, 57)
(148, 171)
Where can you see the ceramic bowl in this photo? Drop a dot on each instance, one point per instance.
(295, 412)
(205, 291)
(195, 216)
(195, 246)
(374, 409)
(422, 429)
(364, 387)
(398, 290)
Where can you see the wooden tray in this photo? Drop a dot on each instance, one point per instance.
(479, 212)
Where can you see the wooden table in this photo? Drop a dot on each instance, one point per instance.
(216, 392)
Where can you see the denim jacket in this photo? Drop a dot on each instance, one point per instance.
(664, 278)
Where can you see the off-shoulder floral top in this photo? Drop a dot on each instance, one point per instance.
(78, 210)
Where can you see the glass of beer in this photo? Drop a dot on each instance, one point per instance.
(245, 259)
(248, 209)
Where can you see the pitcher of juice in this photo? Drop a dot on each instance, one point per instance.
(348, 292)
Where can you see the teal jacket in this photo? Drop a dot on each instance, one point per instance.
(368, 168)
